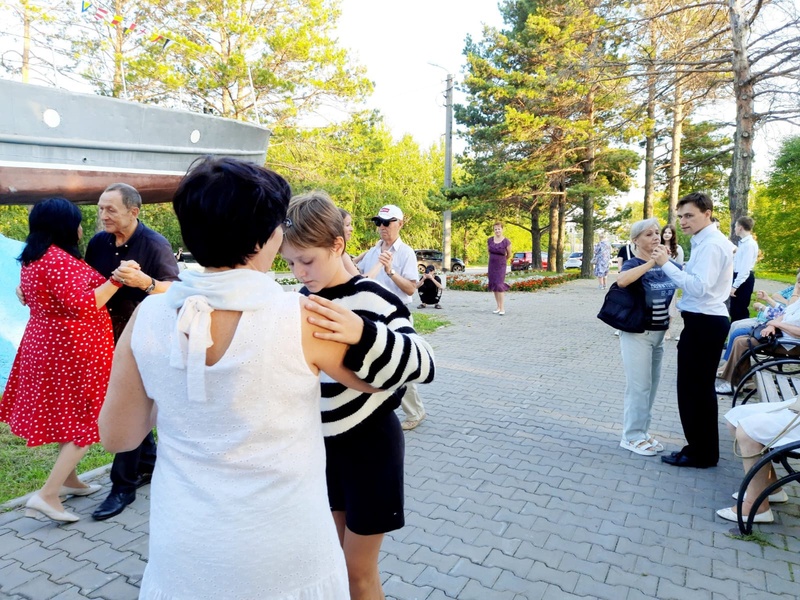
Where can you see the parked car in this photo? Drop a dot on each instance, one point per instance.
(574, 261)
(523, 261)
(187, 261)
(434, 257)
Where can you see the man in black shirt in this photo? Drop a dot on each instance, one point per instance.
(143, 261)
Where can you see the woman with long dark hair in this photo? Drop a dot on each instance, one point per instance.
(60, 375)
(669, 238)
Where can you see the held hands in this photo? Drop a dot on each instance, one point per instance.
(660, 255)
(385, 259)
(130, 273)
(343, 325)
(761, 295)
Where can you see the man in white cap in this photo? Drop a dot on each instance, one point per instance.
(393, 264)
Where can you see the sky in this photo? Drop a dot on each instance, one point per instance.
(396, 46)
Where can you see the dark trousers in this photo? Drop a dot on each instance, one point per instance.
(699, 351)
(127, 466)
(740, 303)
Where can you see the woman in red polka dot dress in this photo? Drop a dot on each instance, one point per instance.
(60, 374)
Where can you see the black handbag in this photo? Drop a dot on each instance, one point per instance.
(757, 333)
(624, 309)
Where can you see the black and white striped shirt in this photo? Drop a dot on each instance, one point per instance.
(389, 355)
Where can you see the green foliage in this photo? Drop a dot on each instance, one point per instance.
(539, 119)
(776, 211)
(706, 155)
(161, 218)
(288, 47)
(362, 168)
(14, 222)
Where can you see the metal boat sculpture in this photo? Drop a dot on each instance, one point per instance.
(55, 142)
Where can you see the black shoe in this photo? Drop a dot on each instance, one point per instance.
(679, 459)
(144, 479)
(113, 505)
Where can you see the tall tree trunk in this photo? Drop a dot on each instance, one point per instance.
(650, 139)
(536, 235)
(26, 43)
(741, 169)
(674, 182)
(590, 178)
(562, 228)
(553, 227)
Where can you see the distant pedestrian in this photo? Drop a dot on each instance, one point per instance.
(499, 253)
(642, 352)
(744, 264)
(429, 288)
(669, 238)
(601, 261)
(347, 259)
(705, 283)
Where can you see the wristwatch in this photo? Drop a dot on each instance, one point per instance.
(150, 287)
(391, 273)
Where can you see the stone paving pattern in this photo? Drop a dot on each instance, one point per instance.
(516, 487)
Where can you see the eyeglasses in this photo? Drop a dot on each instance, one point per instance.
(383, 222)
(286, 223)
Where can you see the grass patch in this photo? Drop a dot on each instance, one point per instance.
(787, 278)
(425, 323)
(757, 537)
(25, 470)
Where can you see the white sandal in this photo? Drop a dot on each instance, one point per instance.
(642, 447)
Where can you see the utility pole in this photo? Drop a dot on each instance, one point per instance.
(448, 172)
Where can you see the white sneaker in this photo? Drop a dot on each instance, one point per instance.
(643, 447)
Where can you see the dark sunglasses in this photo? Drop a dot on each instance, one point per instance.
(382, 222)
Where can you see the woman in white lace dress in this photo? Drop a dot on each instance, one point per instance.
(227, 365)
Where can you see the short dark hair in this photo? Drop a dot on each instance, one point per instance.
(746, 222)
(699, 199)
(131, 197)
(52, 222)
(430, 269)
(228, 209)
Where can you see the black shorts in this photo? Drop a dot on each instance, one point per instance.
(365, 474)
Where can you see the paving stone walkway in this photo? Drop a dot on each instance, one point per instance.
(516, 487)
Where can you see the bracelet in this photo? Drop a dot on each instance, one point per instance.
(114, 282)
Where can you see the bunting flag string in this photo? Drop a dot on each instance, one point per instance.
(101, 13)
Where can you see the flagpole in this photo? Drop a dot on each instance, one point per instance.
(253, 92)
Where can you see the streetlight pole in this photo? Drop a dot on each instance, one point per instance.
(448, 172)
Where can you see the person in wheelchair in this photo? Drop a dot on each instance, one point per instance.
(786, 327)
(430, 288)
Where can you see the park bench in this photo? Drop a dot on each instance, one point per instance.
(777, 379)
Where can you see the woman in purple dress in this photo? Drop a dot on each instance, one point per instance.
(499, 253)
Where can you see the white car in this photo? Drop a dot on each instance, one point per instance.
(574, 261)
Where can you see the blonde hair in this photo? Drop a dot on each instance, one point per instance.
(316, 221)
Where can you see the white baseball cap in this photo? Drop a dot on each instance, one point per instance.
(390, 211)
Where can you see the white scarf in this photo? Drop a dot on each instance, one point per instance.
(196, 296)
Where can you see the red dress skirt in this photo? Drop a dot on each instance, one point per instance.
(59, 377)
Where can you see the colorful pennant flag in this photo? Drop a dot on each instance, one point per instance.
(85, 5)
(167, 43)
(154, 38)
(116, 20)
(101, 13)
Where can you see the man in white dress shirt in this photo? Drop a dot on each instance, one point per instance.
(706, 286)
(744, 263)
(393, 264)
